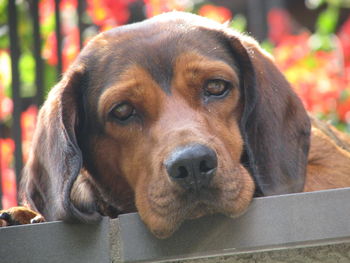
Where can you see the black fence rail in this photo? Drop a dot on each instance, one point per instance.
(255, 11)
(15, 51)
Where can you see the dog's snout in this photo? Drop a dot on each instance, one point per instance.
(192, 166)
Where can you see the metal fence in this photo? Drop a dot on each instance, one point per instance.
(39, 81)
(15, 51)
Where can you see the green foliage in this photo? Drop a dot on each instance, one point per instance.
(326, 24)
(327, 20)
(4, 41)
(310, 62)
(27, 70)
(239, 22)
(267, 45)
(27, 62)
(344, 95)
(48, 26)
(50, 78)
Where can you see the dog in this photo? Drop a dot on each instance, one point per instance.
(175, 117)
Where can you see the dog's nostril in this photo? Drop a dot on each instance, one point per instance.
(205, 167)
(182, 172)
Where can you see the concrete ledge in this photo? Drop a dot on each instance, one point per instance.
(305, 227)
(55, 242)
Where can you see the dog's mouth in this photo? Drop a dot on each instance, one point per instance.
(169, 205)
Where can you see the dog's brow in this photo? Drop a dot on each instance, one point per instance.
(134, 85)
(160, 68)
(198, 64)
(216, 69)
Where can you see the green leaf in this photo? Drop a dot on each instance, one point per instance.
(344, 95)
(310, 62)
(49, 26)
(27, 66)
(3, 12)
(239, 22)
(322, 42)
(268, 46)
(4, 39)
(327, 21)
(50, 77)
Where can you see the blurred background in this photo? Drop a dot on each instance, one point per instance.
(310, 40)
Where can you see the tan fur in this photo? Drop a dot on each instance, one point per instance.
(329, 159)
(82, 194)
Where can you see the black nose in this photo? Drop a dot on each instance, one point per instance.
(192, 166)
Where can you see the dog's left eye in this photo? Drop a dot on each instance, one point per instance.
(122, 111)
(216, 87)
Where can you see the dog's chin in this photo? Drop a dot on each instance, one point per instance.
(165, 224)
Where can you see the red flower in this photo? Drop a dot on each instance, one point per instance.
(344, 37)
(279, 25)
(50, 49)
(70, 34)
(156, 7)
(28, 122)
(70, 47)
(8, 178)
(343, 107)
(109, 12)
(6, 104)
(46, 10)
(218, 13)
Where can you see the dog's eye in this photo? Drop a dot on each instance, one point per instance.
(122, 111)
(216, 87)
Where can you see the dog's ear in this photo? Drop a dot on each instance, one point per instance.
(274, 123)
(55, 159)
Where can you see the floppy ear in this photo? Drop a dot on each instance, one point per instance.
(274, 123)
(56, 159)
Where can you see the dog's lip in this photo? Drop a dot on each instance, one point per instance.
(188, 201)
(189, 213)
(206, 206)
(196, 212)
(195, 205)
(217, 198)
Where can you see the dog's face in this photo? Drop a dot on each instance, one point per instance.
(167, 121)
(166, 115)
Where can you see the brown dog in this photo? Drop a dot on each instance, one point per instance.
(175, 117)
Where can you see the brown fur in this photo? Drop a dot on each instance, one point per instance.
(329, 159)
(85, 163)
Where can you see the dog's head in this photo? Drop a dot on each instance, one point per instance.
(177, 114)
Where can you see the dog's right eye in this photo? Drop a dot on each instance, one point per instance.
(122, 111)
(217, 87)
